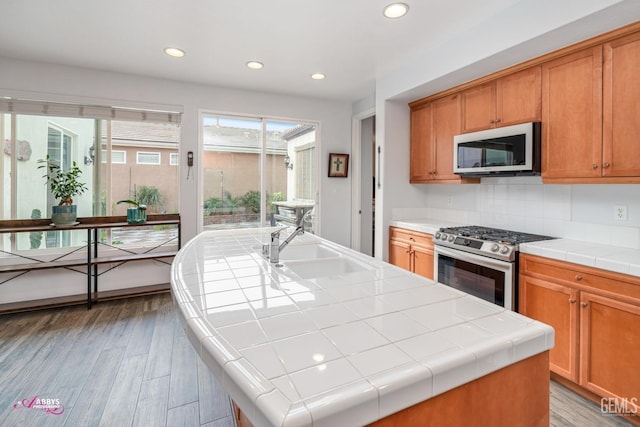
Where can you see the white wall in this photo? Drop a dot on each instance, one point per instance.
(68, 84)
(52, 82)
(528, 29)
(578, 211)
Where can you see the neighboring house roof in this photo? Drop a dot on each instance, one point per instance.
(216, 138)
(242, 140)
(143, 133)
(297, 131)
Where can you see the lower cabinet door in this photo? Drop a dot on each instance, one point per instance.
(557, 306)
(610, 347)
(423, 261)
(400, 254)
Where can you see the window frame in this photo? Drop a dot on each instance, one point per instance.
(174, 159)
(138, 162)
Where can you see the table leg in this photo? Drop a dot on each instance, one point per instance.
(89, 297)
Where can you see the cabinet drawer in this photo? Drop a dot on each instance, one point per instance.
(399, 234)
(411, 237)
(581, 277)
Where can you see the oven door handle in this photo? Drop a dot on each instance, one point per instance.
(483, 261)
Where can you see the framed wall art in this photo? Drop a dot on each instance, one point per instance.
(338, 165)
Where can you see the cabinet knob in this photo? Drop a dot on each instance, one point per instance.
(497, 120)
(408, 251)
(584, 304)
(412, 239)
(594, 166)
(572, 300)
(492, 121)
(578, 277)
(605, 165)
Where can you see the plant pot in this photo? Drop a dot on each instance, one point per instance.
(64, 215)
(136, 215)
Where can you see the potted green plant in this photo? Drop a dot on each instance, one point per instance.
(64, 185)
(137, 214)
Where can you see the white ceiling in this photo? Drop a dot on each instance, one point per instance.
(348, 40)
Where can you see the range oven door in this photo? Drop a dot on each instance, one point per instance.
(487, 278)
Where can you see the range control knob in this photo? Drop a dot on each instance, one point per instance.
(504, 250)
(452, 237)
(437, 235)
(444, 236)
(494, 247)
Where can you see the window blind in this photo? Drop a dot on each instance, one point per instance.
(46, 108)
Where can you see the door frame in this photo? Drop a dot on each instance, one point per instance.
(356, 177)
(199, 168)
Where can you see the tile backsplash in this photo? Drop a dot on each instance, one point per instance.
(577, 211)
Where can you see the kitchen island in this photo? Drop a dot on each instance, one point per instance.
(332, 337)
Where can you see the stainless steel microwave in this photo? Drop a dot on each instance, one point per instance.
(509, 150)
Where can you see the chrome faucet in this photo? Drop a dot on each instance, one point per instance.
(276, 247)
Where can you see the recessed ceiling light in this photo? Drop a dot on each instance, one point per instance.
(396, 10)
(174, 51)
(318, 76)
(255, 65)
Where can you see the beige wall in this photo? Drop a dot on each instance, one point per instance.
(241, 173)
(127, 177)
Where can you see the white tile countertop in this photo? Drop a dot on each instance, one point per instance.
(341, 348)
(429, 226)
(607, 257)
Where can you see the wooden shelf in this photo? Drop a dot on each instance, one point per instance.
(92, 260)
(42, 265)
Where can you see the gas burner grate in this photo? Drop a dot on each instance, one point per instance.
(494, 234)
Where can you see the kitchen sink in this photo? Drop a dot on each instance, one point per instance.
(314, 268)
(306, 252)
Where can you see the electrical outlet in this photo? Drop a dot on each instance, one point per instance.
(449, 201)
(620, 213)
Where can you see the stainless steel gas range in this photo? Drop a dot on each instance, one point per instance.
(481, 261)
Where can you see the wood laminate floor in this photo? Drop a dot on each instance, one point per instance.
(129, 363)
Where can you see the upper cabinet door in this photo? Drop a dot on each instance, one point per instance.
(572, 115)
(519, 97)
(478, 108)
(421, 153)
(446, 124)
(621, 107)
(509, 100)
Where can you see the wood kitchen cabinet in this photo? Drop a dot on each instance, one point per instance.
(412, 251)
(595, 315)
(556, 305)
(586, 96)
(591, 116)
(572, 115)
(420, 151)
(433, 126)
(621, 110)
(609, 346)
(513, 99)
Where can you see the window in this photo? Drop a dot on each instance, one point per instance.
(117, 157)
(90, 136)
(246, 181)
(147, 158)
(173, 159)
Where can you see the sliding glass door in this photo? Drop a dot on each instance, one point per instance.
(257, 172)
